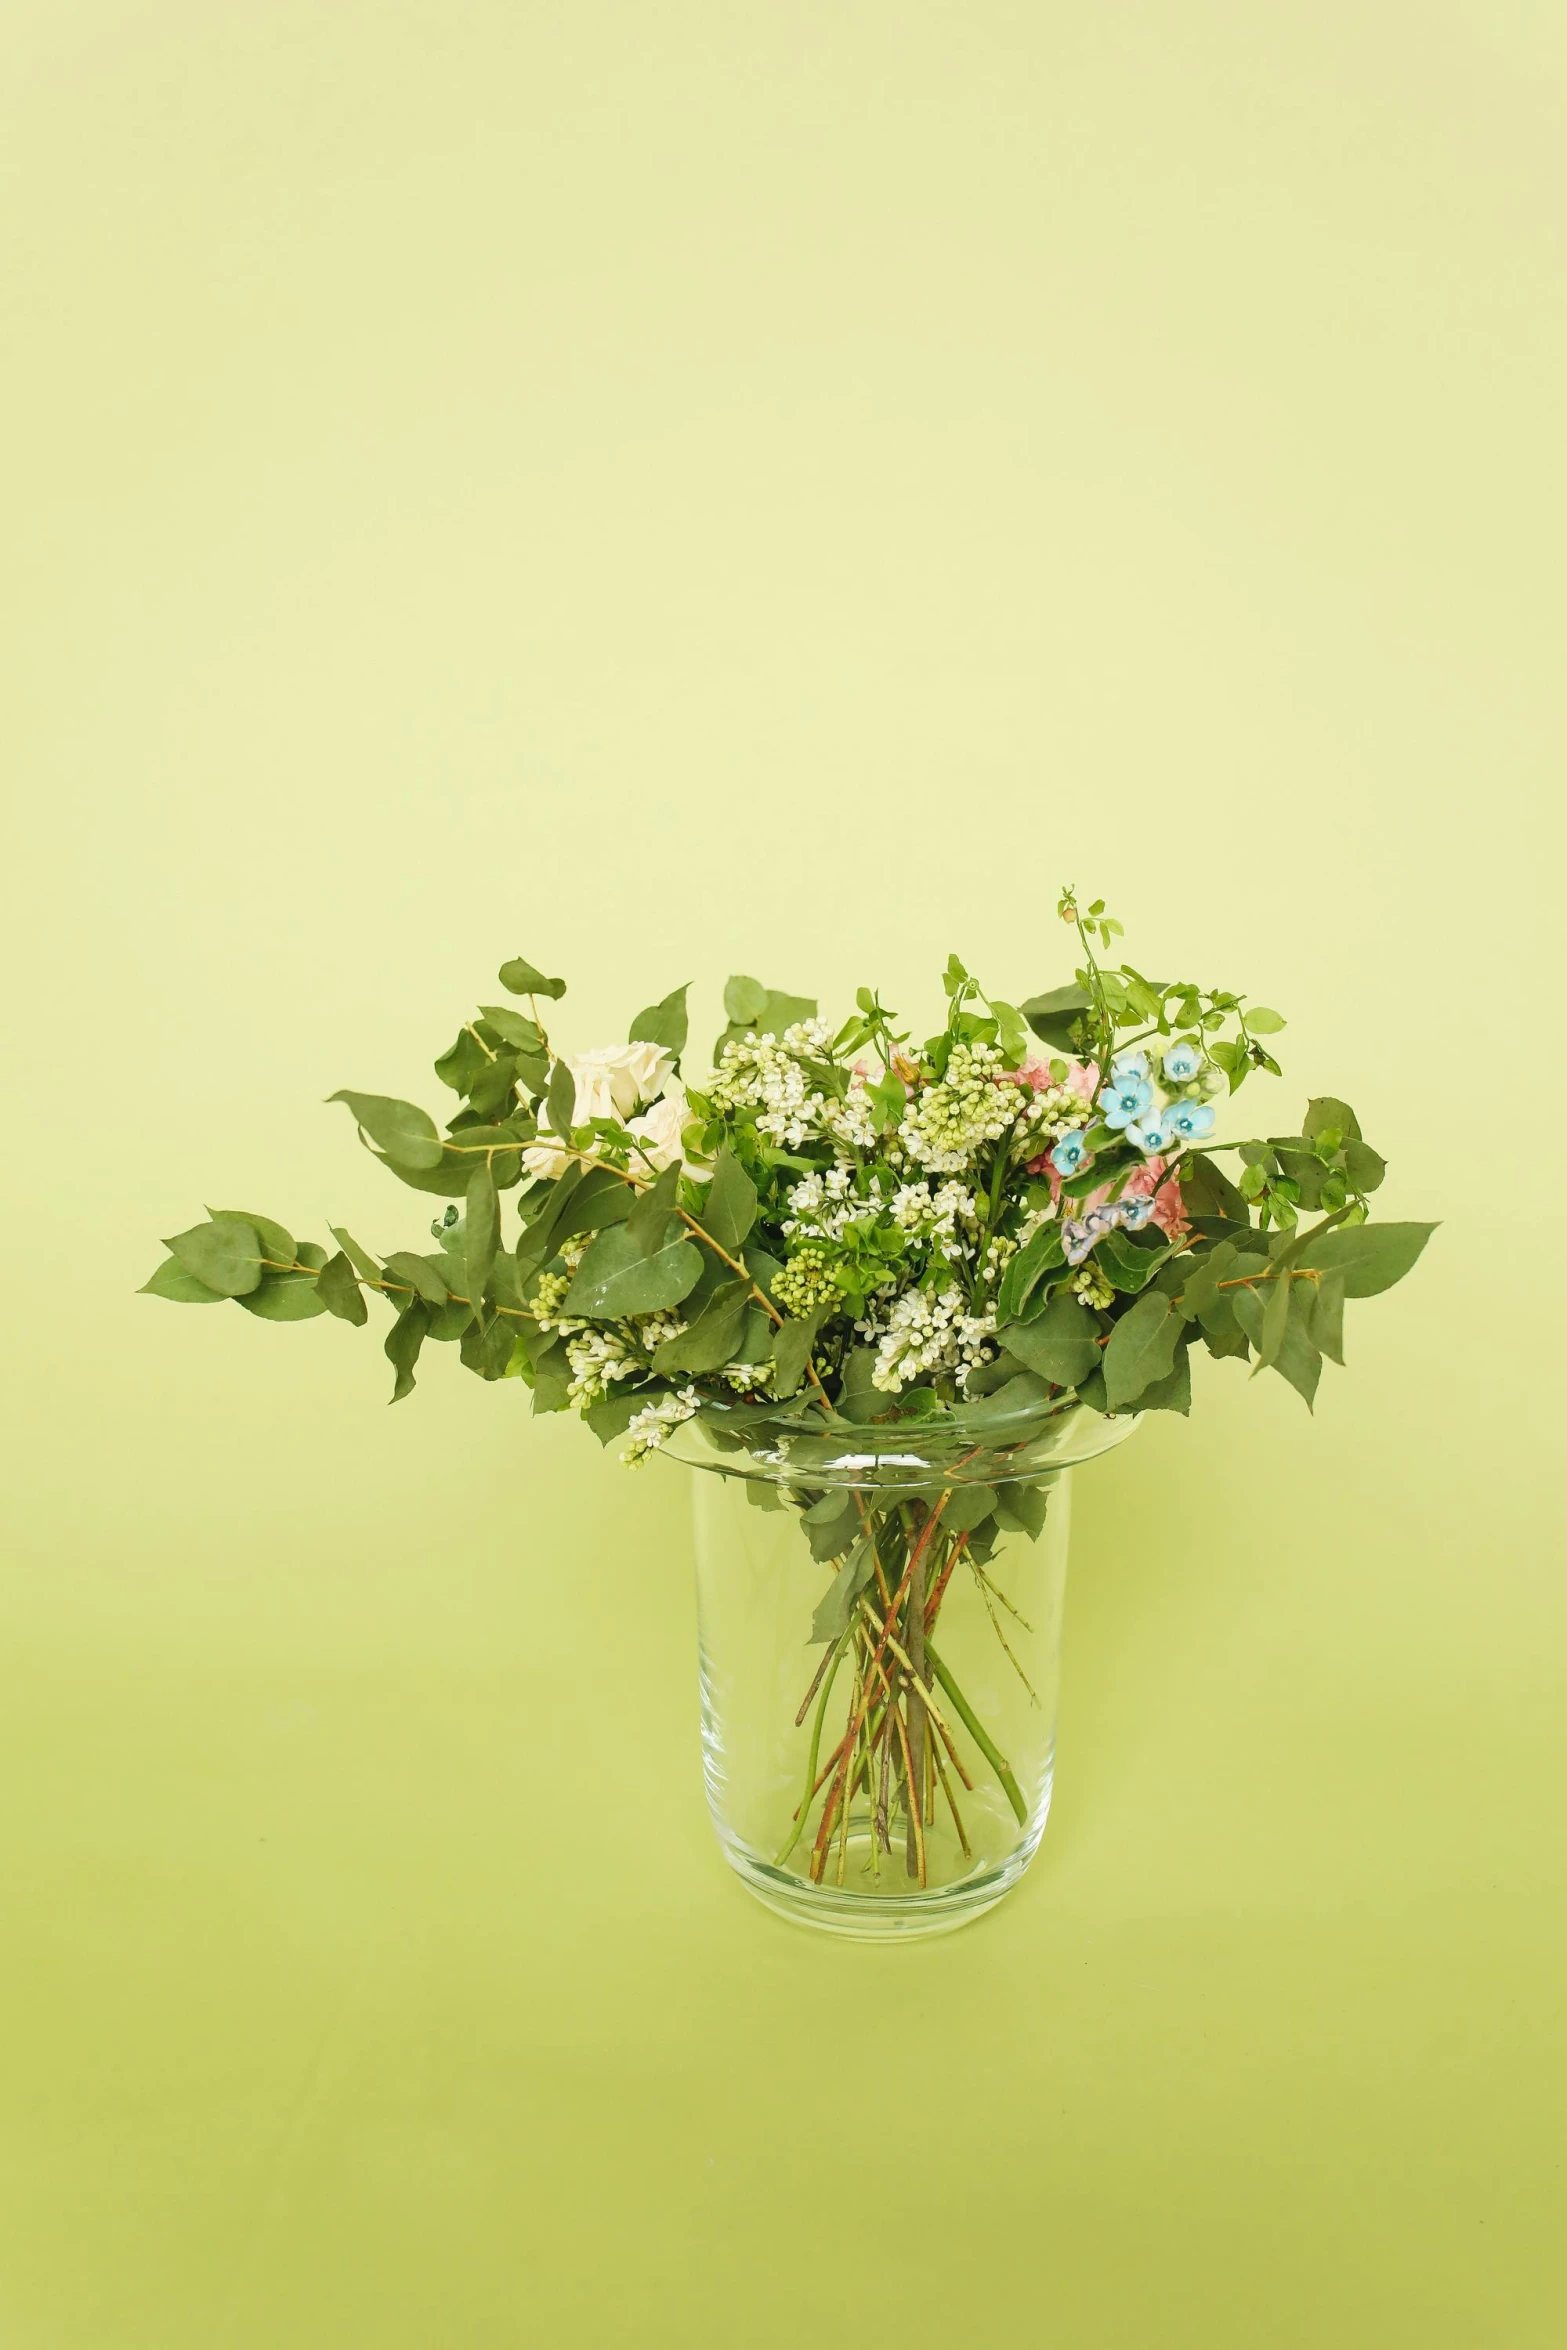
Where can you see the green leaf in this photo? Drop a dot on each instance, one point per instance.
(792, 1344)
(1034, 1259)
(1261, 1020)
(602, 1197)
(1371, 1257)
(729, 1210)
(1126, 1266)
(743, 1000)
(403, 1342)
(523, 1035)
(1174, 1393)
(521, 977)
(831, 1524)
(1326, 1322)
(493, 1086)
(774, 1012)
(614, 1415)
(182, 1289)
(1022, 1506)
(340, 1293)
(462, 1061)
(419, 1275)
(858, 1399)
(225, 1253)
(837, 1602)
(1207, 1191)
(285, 1297)
(1141, 1348)
(277, 1242)
(648, 1223)
(400, 1130)
(561, 1099)
(617, 1277)
(967, 1507)
(1054, 1014)
(713, 1338)
(664, 1023)
(1062, 1345)
(481, 1231)
(1275, 1321)
(1202, 1278)
(362, 1261)
(1364, 1166)
(1325, 1111)
(1004, 1406)
(1298, 1359)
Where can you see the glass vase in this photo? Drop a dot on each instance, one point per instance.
(879, 1636)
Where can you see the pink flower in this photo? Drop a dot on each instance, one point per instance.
(1144, 1182)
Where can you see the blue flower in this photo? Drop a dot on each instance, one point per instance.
(1099, 1221)
(1126, 1065)
(1125, 1099)
(1153, 1133)
(1076, 1241)
(1136, 1212)
(1181, 1063)
(1190, 1120)
(1070, 1153)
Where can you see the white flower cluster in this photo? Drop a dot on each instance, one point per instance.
(947, 1126)
(647, 1429)
(826, 1203)
(943, 1216)
(763, 1073)
(597, 1357)
(925, 1333)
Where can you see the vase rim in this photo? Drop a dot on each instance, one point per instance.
(961, 1447)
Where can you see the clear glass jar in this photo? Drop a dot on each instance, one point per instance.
(879, 1612)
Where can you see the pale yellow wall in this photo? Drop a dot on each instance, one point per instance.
(679, 488)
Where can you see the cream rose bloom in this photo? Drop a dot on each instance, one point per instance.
(659, 1132)
(610, 1081)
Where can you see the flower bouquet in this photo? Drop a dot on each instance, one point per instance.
(885, 1293)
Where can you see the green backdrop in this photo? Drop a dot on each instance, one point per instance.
(778, 488)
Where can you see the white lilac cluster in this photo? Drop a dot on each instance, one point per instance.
(647, 1429)
(946, 1216)
(597, 1358)
(764, 1074)
(925, 1333)
(946, 1127)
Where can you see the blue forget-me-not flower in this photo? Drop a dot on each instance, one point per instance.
(1182, 1062)
(1190, 1120)
(1125, 1098)
(1070, 1155)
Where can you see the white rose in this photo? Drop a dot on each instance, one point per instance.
(610, 1081)
(659, 1130)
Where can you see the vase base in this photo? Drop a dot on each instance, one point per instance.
(882, 1916)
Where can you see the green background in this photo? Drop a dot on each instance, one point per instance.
(679, 489)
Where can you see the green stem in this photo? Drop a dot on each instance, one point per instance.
(981, 1737)
(816, 1741)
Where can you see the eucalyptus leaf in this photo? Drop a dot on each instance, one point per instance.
(520, 977)
(172, 1281)
(1054, 1015)
(729, 1210)
(837, 1604)
(664, 1023)
(481, 1231)
(224, 1253)
(285, 1297)
(340, 1292)
(968, 1506)
(418, 1274)
(1141, 1348)
(1371, 1257)
(713, 1338)
(616, 1277)
(401, 1131)
(403, 1342)
(792, 1344)
(1061, 1345)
